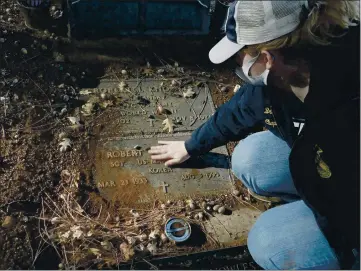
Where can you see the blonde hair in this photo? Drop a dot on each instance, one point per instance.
(318, 27)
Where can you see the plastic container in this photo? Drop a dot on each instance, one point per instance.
(177, 229)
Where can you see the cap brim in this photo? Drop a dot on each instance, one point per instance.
(223, 50)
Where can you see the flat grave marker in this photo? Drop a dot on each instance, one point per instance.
(124, 172)
(130, 176)
(137, 112)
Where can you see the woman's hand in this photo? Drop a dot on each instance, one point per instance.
(173, 152)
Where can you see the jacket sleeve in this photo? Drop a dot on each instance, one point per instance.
(230, 122)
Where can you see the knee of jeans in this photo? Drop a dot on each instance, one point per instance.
(244, 164)
(261, 245)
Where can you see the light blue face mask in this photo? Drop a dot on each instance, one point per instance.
(243, 73)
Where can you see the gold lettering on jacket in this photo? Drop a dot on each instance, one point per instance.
(270, 123)
(268, 110)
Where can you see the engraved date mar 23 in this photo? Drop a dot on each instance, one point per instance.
(134, 181)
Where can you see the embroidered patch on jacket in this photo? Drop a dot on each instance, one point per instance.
(298, 124)
(270, 123)
(322, 168)
(268, 110)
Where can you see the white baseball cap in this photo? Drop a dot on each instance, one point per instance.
(254, 22)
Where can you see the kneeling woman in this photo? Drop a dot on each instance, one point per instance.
(300, 61)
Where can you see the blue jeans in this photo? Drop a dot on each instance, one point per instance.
(287, 236)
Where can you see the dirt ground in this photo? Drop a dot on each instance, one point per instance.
(41, 75)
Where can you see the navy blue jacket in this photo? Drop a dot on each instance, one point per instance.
(324, 160)
(249, 107)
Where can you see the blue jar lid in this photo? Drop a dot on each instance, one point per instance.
(177, 229)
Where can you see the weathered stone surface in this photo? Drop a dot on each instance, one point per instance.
(124, 172)
(232, 230)
(130, 176)
(137, 112)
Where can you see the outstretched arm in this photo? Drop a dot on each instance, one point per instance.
(231, 122)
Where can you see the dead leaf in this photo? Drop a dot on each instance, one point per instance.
(174, 83)
(55, 220)
(65, 144)
(189, 93)
(65, 176)
(74, 120)
(74, 184)
(134, 213)
(95, 251)
(152, 248)
(79, 209)
(66, 235)
(105, 104)
(62, 135)
(168, 124)
(154, 235)
(85, 92)
(77, 234)
(87, 109)
(127, 251)
(140, 248)
(106, 245)
(122, 85)
(164, 238)
(76, 127)
(148, 72)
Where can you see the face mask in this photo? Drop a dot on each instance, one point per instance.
(259, 80)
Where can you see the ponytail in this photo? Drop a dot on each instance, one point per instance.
(320, 21)
(326, 19)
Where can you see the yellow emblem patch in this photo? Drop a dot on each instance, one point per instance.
(268, 110)
(322, 168)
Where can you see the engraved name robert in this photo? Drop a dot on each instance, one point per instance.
(125, 153)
